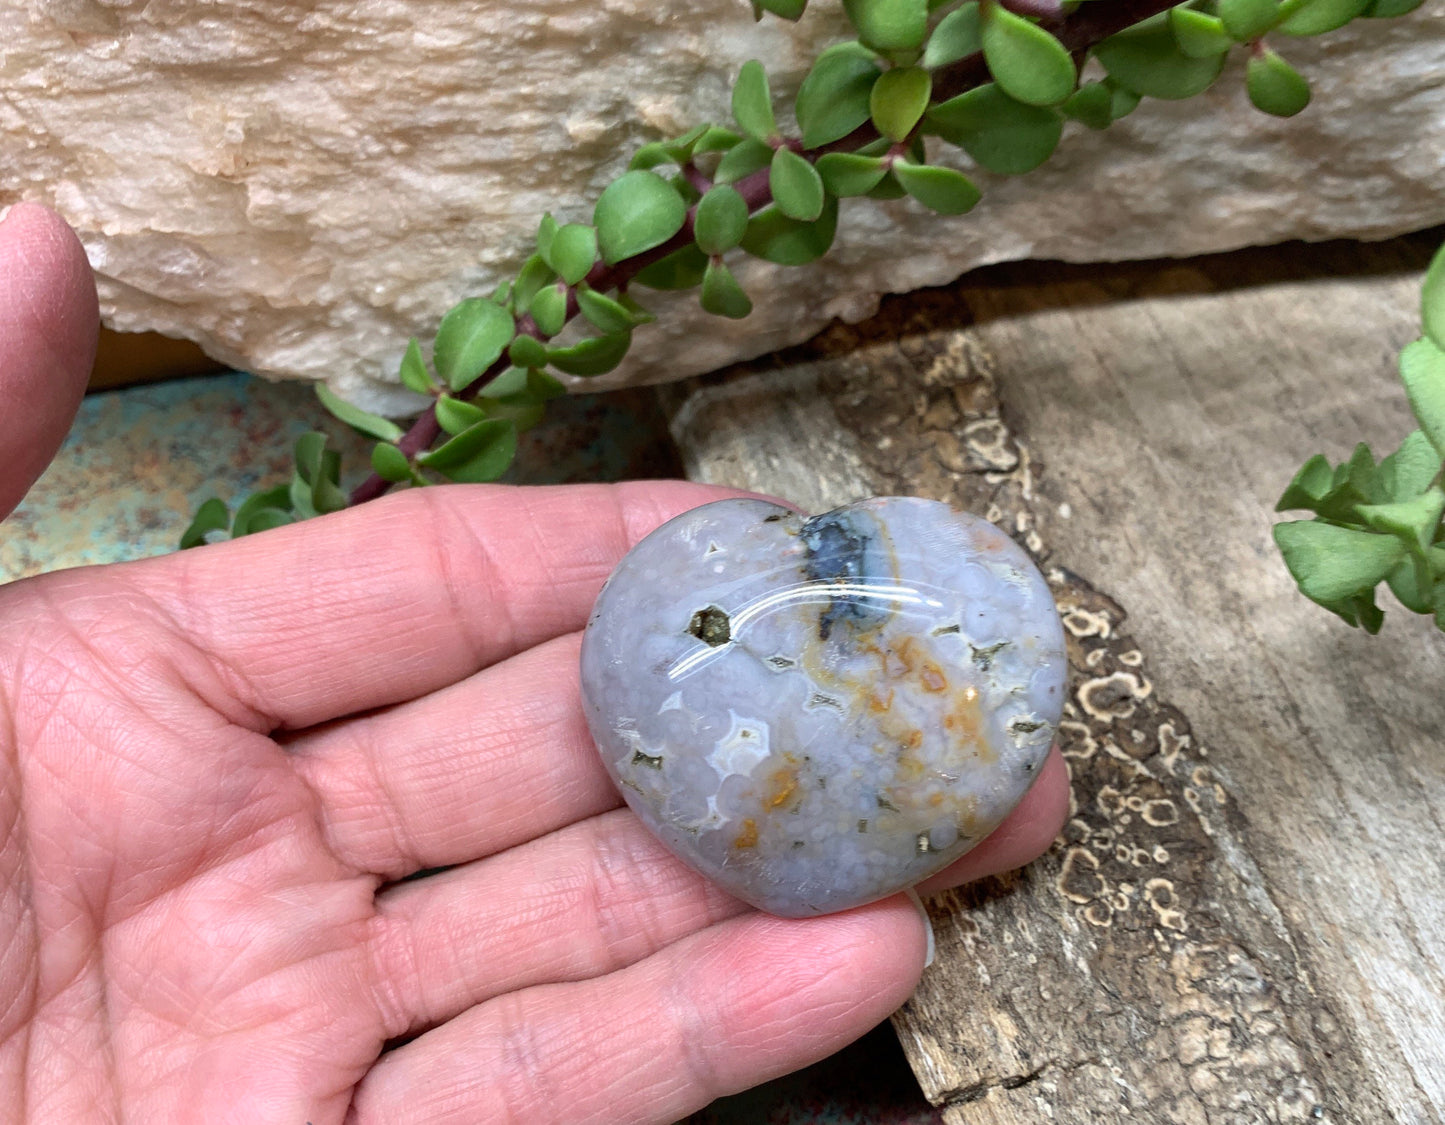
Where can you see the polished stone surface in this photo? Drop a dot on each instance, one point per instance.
(817, 713)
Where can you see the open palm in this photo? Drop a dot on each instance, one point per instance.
(217, 770)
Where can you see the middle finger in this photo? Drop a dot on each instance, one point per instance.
(496, 760)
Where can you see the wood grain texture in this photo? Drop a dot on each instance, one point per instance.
(1242, 920)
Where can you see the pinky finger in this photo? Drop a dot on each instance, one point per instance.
(729, 1007)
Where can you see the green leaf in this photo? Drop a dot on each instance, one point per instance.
(774, 237)
(264, 519)
(546, 231)
(1320, 16)
(784, 9)
(715, 139)
(1125, 101)
(1358, 471)
(455, 416)
(326, 494)
(212, 515)
(534, 274)
(1432, 300)
(1359, 610)
(315, 487)
(1422, 367)
(1029, 63)
(721, 293)
(742, 160)
(309, 453)
(1310, 485)
(940, 189)
(1412, 521)
(527, 351)
(648, 156)
(833, 99)
(636, 213)
(898, 100)
(605, 313)
(1247, 19)
(753, 102)
(301, 506)
(595, 355)
(1199, 35)
(414, 375)
(640, 315)
(888, 188)
(390, 463)
(471, 338)
(549, 309)
(797, 188)
(276, 499)
(1411, 583)
(1388, 9)
(510, 382)
(1002, 134)
(1408, 471)
(1147, 60)
(1092, 104)
(481, 453)
(371, 425)
(847, 173)
(957, 36)
(889, 25)
(682, 269)
(1335, 493)
(1333, 563)
(720, 220)
(1274, 86)
(532, 388)
(573, 252)
(680, 149)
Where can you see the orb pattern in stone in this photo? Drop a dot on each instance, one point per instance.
(817, 713)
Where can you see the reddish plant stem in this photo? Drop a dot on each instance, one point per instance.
(700, 183)
(1089, 25)
(1044, 9)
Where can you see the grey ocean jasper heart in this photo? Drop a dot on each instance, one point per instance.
(816, 713)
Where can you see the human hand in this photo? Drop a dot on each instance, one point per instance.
(216, 766)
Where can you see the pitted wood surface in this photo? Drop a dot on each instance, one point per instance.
(1241, 921)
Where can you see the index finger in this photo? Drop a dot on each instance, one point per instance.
(400, 596)
(48, 326)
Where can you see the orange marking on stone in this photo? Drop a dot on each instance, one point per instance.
(783, 784)
(964, 721)
(748, 837)
(909, 769)
(932, 677)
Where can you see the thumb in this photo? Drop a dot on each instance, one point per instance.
(49, 321)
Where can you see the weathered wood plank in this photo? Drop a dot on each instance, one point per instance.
(1240, 922)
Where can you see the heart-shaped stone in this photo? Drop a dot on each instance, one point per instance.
(816, 713)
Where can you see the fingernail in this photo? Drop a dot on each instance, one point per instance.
(927, 924)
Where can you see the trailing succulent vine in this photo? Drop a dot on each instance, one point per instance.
(1380, 522)
(998, 79)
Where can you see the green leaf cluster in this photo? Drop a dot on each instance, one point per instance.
(1379, 522)
(314, 489)
(869, 113)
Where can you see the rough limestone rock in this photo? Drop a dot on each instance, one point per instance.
(300, 187)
